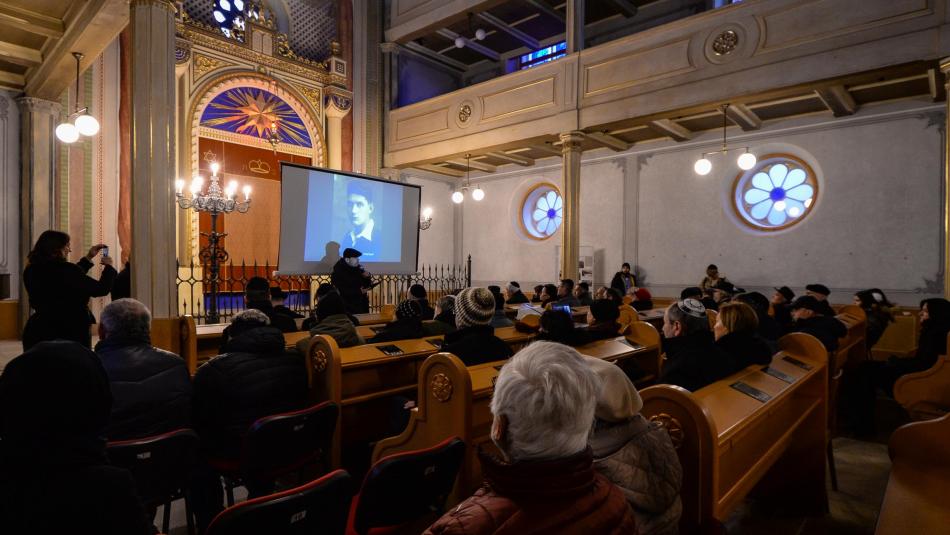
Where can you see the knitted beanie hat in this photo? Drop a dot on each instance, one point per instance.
(474, 306)
(409, 309)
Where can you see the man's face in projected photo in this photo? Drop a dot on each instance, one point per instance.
(361, 210)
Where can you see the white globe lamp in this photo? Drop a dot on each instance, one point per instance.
(87, 125)
(702, 166)
(478, 194)
(67, 133)
(457, 197)
(746, 161)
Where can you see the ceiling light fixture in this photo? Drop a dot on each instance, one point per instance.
(745, 161)
(478, 35)
(83, 124)
(458, 196)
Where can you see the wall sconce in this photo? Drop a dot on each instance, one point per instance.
(426, 220)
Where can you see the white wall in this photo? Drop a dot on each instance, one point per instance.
(877, 221)
(436, 245)
(10, 190)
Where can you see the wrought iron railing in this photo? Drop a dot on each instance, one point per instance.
(194, 292)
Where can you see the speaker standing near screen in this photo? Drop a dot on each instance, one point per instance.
(361, 208)
(352, 281)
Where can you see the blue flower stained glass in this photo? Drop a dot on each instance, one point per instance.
(775, 194)
(542, 212)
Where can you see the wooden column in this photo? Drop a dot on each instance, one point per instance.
(571, 177)
(153, 207)
(945, 69)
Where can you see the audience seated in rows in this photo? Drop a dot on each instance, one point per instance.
(878, 311)
(642, 300)
(558, 326)
(257, 297)
(514, 295)
(277, 298)
(536, 298)
(444, 320)
(736, 336)
(693, 360)
(499, 319)
(417, 293)
(565, 294)
(623, 280)
(768, 329)
(408, 324)
(333, 321)
(151, 388)
(475, 342)
(54, 476)
(545, 482)
(807, 316)
(821, 292)
(635, 454)
(582, 294)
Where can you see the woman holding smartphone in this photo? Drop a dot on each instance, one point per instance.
(59, 290)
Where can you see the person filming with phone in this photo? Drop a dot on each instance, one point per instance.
(59, 290)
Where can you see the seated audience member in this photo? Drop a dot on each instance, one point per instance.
(878, 315)
(151, 388)
(821, 292)
(697, 293)
(252, 378)
(277, 298)
(582, 294)
(602, 320)
(408, 324)
(444, 320)
(735, 333)
(475, 342)
(54, 406)
(623, 280)
(257, 297)
(692, 358)
(808, 319)
(536, 298)
(515, 295)
(601, 293)
(558, 326)
(417, 292)
(635, 454)
(723, 291)
(543, 408)
(548, 295)
(642, 300)
(782, 306)
(712, 278)
(499, 319)
(565, 294)
(333, 322)
(323, 290)
(769, 329)
(628, 314)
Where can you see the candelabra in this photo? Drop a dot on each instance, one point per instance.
(215, 201)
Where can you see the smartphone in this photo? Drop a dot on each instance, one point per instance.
(105, 251)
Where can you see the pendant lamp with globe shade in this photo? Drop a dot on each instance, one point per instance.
(83, 124)
(745, 161)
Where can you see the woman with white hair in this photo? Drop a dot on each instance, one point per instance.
(543, 408)
(634, 453)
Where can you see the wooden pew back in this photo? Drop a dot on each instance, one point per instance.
(178, 336)
(325, 383)
(852, 348)
(925, 395)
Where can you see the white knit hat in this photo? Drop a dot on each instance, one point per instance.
(618, 400)
(473, 307)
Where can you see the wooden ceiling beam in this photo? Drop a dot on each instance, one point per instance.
(743, 117)
(441, 170)
(20, 55)
(474, 45)
(546, 148)
(627, 8)
(546, 9)
(838, 100)
(513, 158)
(669, 128)
(427, 53)
(29, 21)
(474, 164)
(607, 140)
(526, 40)
(11, 80)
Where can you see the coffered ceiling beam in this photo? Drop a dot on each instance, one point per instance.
(474, 45)
(513, 158)
(473, 164)
(838, 100)
(628, 9)
(12, 81)
(29, 21)
(431, 55)
(546, 148)
(607, 140)
(525, 39)
(441, 170)
(546, 9)
(669, 128)
(743, 117)
(20, 55)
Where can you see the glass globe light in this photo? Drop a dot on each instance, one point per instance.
(478, 194)
(480, 34)
(87, 125)
(459, 42)
(67, 133)
(702, 166)
(746, 161)
(457, 197)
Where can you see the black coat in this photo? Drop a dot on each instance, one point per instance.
(59, 294)
(281, 309)
(428, 312)
(283, 323)
(745, 349)
(255, 377)
(349, 282)
(476, 345)
(517, 298)
(825, 309)
(694, 361)
(151, 388)
(783, 315)
(827, 329)
(401, 329)
(769, 327)
(617, 282)
(122, 285)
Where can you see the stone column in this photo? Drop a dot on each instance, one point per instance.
(571, 176)
(38, 120)
(152, 63)
(338, 106)
(575, 25)
(945, 69)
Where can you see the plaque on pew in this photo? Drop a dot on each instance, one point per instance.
(631, 344)
(751, 391)
(778, 375)
(795, 362)
(390, 350)
(435, 342)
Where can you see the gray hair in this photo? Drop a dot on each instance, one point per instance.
(128, 317)
(548, 394)
(447, 304)
(251, 315)
(689, 322)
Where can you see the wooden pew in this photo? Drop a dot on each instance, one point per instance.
(729, 443)
(654, 317)
(916, 497)
(325, 384)
(175, 335)
(852, 348)
(454, 401)
(926, 394)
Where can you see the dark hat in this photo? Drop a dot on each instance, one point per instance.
(692, 291)
(349, 252)
(818, 289)
(605, 310)
(786, 292)
(276, 292)
(806, 302)
(409, 309)
(418, 291)
(726, 286)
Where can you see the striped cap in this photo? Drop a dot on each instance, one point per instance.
(474, 306)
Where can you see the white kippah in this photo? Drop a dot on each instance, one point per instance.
(692, 307)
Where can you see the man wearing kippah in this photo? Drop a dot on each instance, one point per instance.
(475, 342)
(693, 360)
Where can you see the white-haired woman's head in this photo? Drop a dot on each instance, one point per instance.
(543, 404)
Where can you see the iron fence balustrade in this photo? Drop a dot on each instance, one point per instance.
(194, 297)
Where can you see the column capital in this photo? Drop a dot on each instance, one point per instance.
(164, 4)
(39, 105)
(571, 140)
(338, 105)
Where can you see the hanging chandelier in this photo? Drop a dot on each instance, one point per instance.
(216, 200)
(83, 124)
(477, 193)
(745, 161)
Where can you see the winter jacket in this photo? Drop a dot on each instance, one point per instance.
(642, 306)
(746, 349)
(563, 496)
(517, 298)
(500, 319)
(59, 293)
(878, 321)
(618, 283)
(769, 328)
(638, 456)
(825, 328)
(349, 282)
(401, 329)
(585, 300)
(437, 327)
(476, 345)
(427, 311)
(278, 319)
(694, 361)
(281, 309)
(340, 328)
(826, 309)
(151, 388)
(255, 377)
